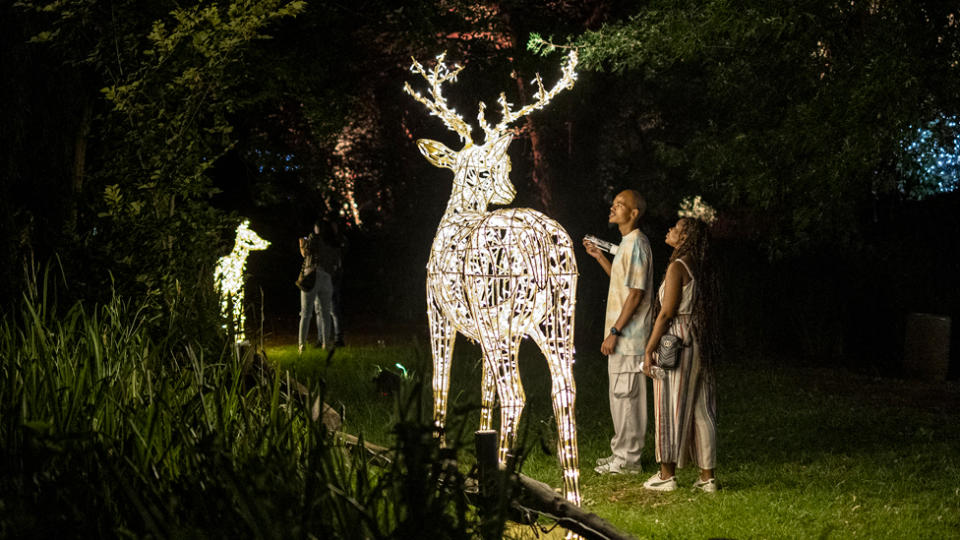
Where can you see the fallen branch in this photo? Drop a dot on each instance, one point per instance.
(534, 496)
(539, 497)
(319, 410)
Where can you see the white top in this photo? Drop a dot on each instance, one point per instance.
(686, 294)
(632, 268)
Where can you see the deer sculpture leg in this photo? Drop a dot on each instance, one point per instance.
(442, 339)
(559, 353)
(501, 359)
(488, 396)
(498, 291)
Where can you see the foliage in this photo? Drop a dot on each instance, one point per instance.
(170, 112)
(172, 77)
(791, 113)
(106, 432)
(172, 119)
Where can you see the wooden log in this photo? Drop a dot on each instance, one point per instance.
(256, 367)
(540, 497)
(256, 364)
(380, 455)
(488, 470)
(534, 495)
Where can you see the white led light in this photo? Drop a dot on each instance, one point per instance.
(228, 277)
(498, 276)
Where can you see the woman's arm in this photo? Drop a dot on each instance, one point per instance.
(672, 289)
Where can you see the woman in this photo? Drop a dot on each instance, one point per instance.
(685, 407)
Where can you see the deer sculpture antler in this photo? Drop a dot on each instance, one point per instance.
(542, 97)
(438, 105)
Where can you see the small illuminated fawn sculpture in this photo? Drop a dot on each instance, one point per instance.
(228, 277)
(498, 276)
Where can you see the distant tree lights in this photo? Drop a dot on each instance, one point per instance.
(228, 277)
(498, 276)
(932, 158)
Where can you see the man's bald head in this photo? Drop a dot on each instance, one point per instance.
(636, 201)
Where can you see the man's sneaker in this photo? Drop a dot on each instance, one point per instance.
(655, 483)
(605, 460)
(616, 467)
(707, 486)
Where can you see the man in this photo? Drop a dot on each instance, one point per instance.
(628, 322)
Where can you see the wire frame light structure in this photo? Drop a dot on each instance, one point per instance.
(498, 276)
(228, 278)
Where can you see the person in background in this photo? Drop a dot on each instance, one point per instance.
(323, 260)
(684, 400)
(628, 318)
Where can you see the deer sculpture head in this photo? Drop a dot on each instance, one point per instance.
(481, 171)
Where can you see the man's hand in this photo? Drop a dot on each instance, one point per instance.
(592, 250)
(609, 345)
(595, 252)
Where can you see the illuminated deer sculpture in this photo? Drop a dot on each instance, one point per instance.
(498, 276)
(228, 277)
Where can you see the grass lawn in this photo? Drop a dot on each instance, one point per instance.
(804, 452)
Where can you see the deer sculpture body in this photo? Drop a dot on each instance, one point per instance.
(498, 276)
(228, 277)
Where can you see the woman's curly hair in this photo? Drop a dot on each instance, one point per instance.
(695, 249)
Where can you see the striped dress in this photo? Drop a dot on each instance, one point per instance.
(685, 401)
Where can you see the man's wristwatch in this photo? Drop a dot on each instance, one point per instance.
(614, 331)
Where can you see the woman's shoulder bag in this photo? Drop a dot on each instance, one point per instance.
(668, 351)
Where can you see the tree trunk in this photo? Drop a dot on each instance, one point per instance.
(542, 180)
(79, 166)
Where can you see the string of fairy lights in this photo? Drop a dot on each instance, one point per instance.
(932, 156)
